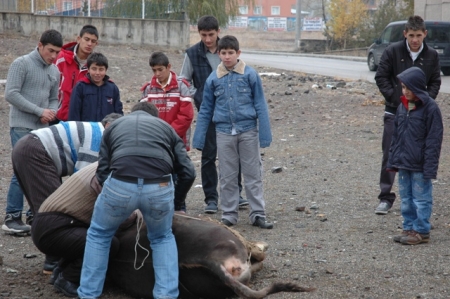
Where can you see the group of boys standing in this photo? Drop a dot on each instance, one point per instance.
(59, 133)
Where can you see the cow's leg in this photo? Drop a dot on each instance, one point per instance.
(245, 292)
(256, 266)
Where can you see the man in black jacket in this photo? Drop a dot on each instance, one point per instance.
(138, 154)
(399, 56)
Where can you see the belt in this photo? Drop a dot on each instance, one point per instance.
(134, 180)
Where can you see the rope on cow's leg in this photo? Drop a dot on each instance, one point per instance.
(139, 223)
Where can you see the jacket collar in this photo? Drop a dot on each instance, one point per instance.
(37, 56)
(87, 79)
(223, 71)
(172, 83)
(203, 49)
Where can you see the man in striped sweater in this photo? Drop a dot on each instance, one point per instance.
(44, 156)
(41, 158)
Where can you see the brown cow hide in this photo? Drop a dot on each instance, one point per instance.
(215, 262)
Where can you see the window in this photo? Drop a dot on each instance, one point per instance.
(275, 10)
(257, 10)
(67, 5)
(243, 10)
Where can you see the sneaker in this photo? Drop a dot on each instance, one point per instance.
(66, 287)
(262, 223)
(50, 263)
(404, 233)
(211, 208)
(226, 222)
(242, 202)
(55, 275)
(29, 219)
(415, 238)
(383, 208)
(13, 224)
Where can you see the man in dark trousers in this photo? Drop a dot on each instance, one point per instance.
(138, 154)
(200, 60)
(399, 56)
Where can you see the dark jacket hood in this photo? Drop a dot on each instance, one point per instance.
(414, 78)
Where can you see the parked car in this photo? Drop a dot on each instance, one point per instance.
(438, 38)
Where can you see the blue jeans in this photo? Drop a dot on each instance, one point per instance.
(14, 199)
(115, 203)
(417, 200)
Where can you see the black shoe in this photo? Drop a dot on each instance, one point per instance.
(262, 223)
(54, 275)
(66, 287)
(13, 224)
(50, 264)
(211, 208)
(29, 219)
(226, 222)
(242, 202)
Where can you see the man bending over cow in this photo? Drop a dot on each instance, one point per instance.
(136, 172)
(69, 210)
(42, 157)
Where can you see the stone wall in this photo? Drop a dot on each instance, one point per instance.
(172, 34)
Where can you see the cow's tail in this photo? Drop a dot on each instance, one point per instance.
(244, 291)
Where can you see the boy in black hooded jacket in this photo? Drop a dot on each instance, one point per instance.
(414, 153)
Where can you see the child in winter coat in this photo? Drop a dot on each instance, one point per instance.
(414, 153)
(233, 99)
(95, 96)
(171, 95)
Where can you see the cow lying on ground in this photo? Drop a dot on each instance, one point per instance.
(215, 262)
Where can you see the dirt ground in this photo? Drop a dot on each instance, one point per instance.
(327, 143)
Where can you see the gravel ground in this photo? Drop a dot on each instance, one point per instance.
(327, 144)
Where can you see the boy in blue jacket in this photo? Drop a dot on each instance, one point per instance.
(233, 99)
(414, 153)
(94, 96)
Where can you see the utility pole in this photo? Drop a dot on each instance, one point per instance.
(298, 25)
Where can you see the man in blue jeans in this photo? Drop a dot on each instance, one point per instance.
(32, 92)
(135, 170)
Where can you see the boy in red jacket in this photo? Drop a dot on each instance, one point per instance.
(170, 95)
(71, 63)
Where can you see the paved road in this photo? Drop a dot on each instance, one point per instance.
(347, 67)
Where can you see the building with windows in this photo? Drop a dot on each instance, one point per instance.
(267, 15)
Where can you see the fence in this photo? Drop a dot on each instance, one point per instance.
(142, 9)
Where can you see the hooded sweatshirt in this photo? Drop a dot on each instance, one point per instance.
(417, 140)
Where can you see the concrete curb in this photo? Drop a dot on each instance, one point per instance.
(351, 58)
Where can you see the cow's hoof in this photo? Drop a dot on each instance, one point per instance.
(262, 223)
(263, 246)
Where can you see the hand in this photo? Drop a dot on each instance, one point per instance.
(95, 185)
(47, 116)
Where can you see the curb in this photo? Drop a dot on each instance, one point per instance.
(327, 56)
